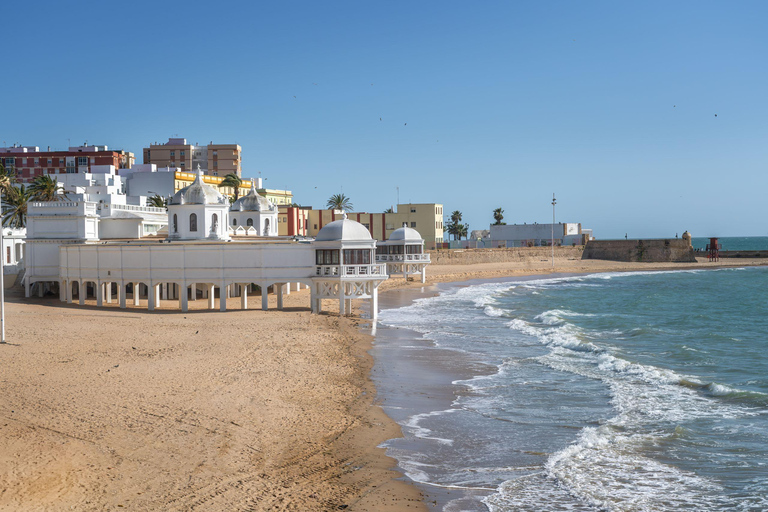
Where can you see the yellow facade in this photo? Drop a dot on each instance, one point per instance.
(278, 197)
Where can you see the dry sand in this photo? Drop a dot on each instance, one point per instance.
(102, 408)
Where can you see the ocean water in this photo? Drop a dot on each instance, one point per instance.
(735, 243)
(641, 391)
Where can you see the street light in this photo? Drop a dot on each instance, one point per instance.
(2, 278)
(554, 201)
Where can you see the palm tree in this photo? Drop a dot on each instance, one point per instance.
(234, 181)
(15, 206)
(339, 202)
(7, 178)
(498, 216)
(389, 210)
(455, 227)
(44, 188)
(158, 202)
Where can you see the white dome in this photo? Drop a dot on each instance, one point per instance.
(252, 202)
(198, 193)
(405, 233)
(344, 229)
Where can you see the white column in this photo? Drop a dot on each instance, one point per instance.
(81, 292)
(424, 274)
(342, 302)
(375, 303)
(40, 288)
(287, 288)
(99, 293)
(264, 297)
(151, 297)
(163, 292)
(193, 290)
(62, 291)
(243, 296)
(69, 292)
(108, 290)
(348, 306)
(27, 285)
(121, 293)
(279, 296)
(183, 291)
(136, 294)
(211, 297)
(223, 294)
(229, 292)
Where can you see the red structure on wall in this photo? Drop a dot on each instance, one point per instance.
(713, 250)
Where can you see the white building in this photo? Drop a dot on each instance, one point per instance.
(404, 253)
(254, 211)
(523, 235)
(196, 258)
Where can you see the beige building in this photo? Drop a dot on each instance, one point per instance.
(426, 218)
(213, 159)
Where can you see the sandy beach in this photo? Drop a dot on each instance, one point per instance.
(244, 410)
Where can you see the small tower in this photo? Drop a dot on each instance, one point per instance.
(198, 212)
(345, 267)
(404, 253)
(713, 249)
(254, 211)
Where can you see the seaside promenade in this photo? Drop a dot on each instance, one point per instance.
(104, 408)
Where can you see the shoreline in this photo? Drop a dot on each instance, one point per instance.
(466, 275)
(104, 407)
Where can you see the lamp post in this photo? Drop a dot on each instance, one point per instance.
(554, 201)
(2, 276)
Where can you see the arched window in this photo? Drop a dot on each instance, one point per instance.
(249, 223)
(234, 221)
(193, 222)
(175, 223)
(266, 227)
(214, 223)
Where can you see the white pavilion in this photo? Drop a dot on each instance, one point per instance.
(198, 256)
(404, 253)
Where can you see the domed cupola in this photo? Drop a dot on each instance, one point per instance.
(343, 230)
(199, 193)
(406, 233)
(253, 202)
(198, 212)
(255, 214)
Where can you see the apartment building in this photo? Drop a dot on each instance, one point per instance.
(28, 162)
(213, 159)
(426, 218)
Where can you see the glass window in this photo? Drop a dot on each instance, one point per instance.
(234, 221)
(193, 222)
(82, 160)
(327, 256)
(413, 224)
(249, 222)
(357, 256)
(175, 223)
(173, 153)
(214, 223)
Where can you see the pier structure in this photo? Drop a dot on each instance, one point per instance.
(403, 253)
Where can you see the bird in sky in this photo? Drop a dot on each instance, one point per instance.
(314, 83)
(379, 119)
(715, 115)
(406, 124)
(294, 97)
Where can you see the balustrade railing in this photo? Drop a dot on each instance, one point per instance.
(351, 270)
(403, 257)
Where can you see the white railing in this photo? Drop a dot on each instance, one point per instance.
(403, 257)
(351, 270)
(133, 208)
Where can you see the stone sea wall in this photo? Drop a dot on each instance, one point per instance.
(653, 251)
(474, 256)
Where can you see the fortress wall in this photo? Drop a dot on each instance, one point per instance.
(653, 251)
(473, 256)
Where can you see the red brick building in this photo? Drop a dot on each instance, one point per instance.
(28, 162)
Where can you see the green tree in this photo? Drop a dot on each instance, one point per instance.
(45, 188)
(14, 206)
(339, 202)
(7, 178)
(498, 216)
(158, 202)
(455, 227)
(232, 180)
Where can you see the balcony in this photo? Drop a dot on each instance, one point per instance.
(413, 258)
(350, 270)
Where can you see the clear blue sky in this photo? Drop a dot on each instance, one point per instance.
(610, 105)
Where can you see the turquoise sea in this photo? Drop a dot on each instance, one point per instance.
(638, 391)
(735, 243)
